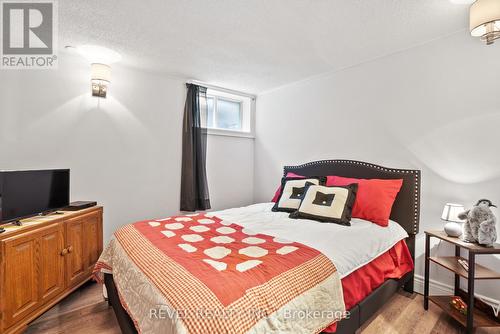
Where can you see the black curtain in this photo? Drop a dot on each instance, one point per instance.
(194, 186)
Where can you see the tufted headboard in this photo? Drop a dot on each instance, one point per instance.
(406, 208)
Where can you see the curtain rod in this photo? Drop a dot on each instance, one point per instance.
(222, 89)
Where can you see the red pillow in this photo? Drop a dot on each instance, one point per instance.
(374, 199)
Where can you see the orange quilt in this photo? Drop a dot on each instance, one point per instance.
(219, 276)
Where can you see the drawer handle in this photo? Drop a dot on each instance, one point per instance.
(70, 249)
(64, 252)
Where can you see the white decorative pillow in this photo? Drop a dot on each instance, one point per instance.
(327, 204)
(292, 192)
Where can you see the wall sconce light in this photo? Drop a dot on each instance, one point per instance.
(485, 20)
(101, 77)
(100, 59)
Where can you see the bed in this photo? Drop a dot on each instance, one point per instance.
(369, 269)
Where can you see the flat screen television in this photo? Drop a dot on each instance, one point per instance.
(28, 193)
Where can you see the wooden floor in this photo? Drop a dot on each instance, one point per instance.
(85, 311)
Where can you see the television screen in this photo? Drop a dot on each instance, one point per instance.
(28, 193)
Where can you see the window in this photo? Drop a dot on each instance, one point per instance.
(229, 113)
(224, 113)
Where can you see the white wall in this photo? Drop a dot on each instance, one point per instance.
(435, 107)
(123, 151)
(230, 165)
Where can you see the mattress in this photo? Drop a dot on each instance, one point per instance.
(348, 247)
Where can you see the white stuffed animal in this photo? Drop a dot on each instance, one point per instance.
(480, 224)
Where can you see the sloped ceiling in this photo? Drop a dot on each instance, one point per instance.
(255, 45)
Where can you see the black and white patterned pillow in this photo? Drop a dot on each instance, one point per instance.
(292, 191)
(327, 204)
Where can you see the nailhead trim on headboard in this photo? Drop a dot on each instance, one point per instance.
(416, 177)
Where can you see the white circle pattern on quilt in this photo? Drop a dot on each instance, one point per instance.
(253, 241)
(220, 266)
(217, 252)
(199, 228)
(244, 266)
(183, 219)
(286, 250)
(188, 248)
(225, 230)
(206, 221)
(174, 226)
(168, 234)
(192, 237)
(222, 239)
(154, 224)
(282, 241)
(253, 251)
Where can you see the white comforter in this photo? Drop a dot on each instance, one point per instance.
(348, 247)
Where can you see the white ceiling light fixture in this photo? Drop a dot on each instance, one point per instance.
(100, 59)
(485, 20)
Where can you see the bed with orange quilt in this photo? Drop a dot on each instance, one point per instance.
(252, 270)
(249, 270)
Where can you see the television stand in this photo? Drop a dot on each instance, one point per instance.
(43, 261)
(41, 214)
(50, 213)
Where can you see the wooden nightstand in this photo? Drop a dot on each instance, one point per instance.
(475, 317)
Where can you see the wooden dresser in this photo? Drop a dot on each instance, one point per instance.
(43, 261)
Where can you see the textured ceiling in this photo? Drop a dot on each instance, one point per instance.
(255, 45)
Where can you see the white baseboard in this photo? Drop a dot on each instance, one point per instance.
(439, 288)
(435, 287)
